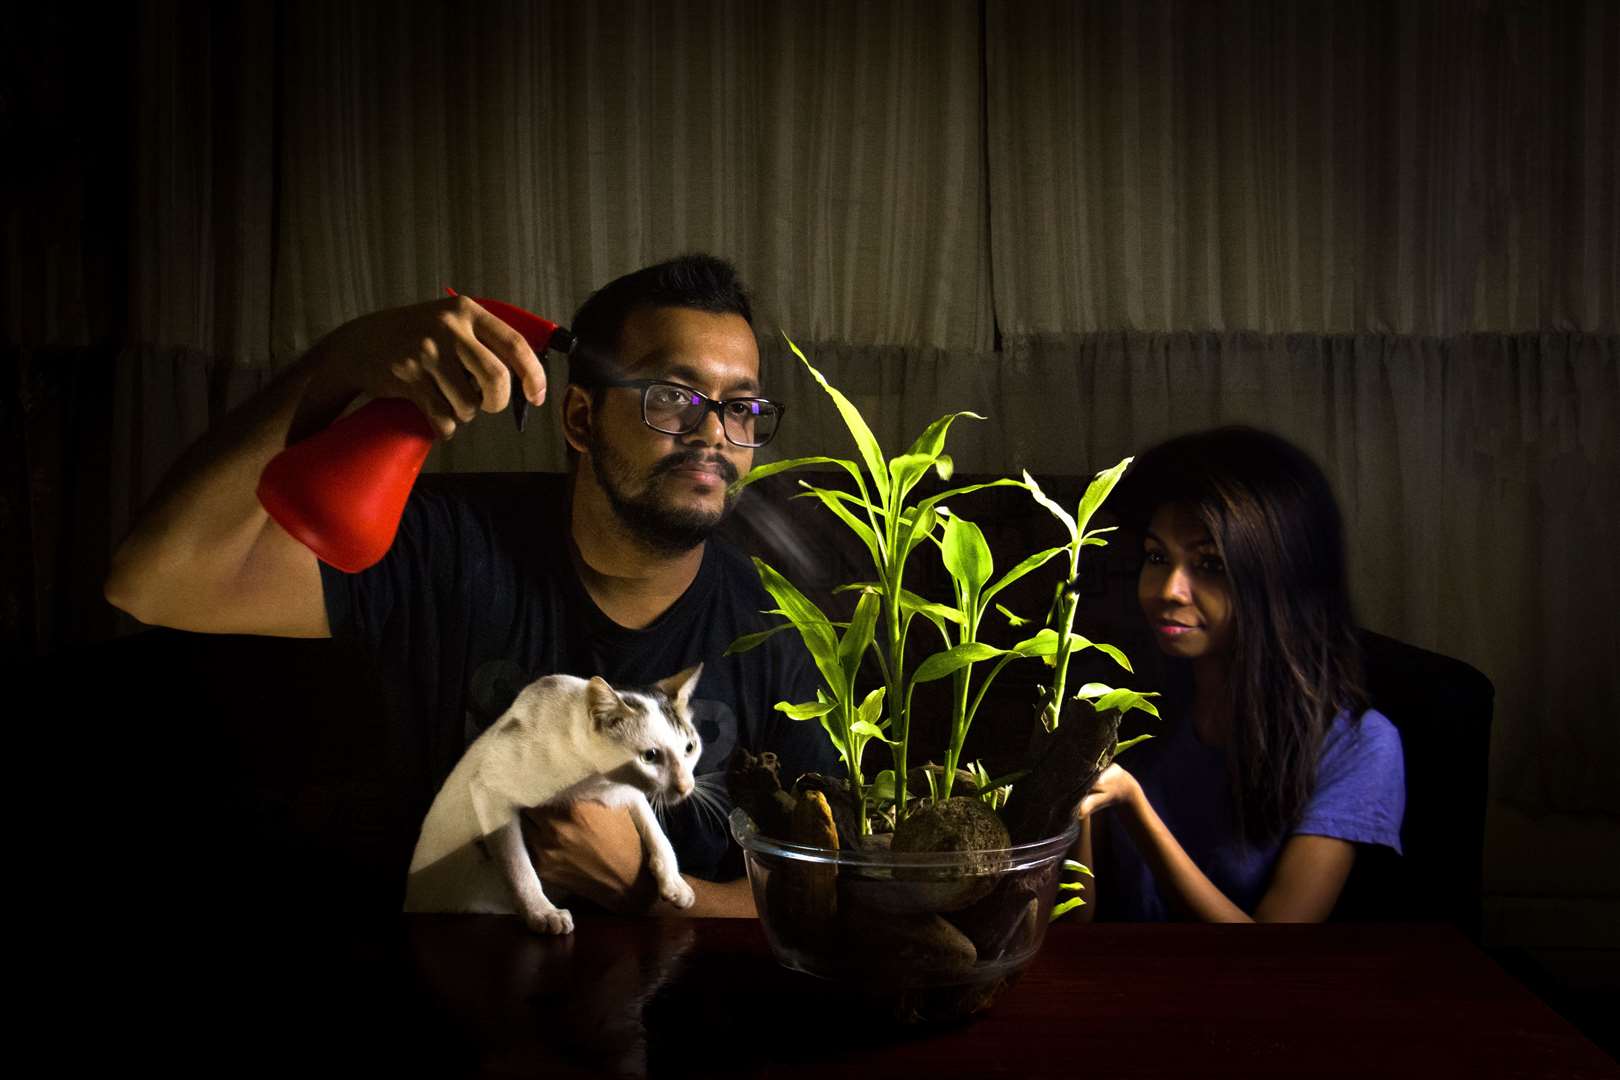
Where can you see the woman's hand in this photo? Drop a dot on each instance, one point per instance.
(1114, 786)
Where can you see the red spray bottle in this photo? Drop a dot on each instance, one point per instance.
(342, 492)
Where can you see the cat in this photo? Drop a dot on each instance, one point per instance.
(564, 739)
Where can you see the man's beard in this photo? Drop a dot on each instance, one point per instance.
(657, 524)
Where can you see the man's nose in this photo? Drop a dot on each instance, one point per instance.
(711, 430)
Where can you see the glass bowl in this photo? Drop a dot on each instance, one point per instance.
(936, 936)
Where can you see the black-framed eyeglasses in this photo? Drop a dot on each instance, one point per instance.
(674, 409)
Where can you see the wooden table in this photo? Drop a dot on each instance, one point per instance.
(479, 996)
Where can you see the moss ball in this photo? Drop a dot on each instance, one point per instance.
(960, 823)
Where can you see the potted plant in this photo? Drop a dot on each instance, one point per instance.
(928, 882)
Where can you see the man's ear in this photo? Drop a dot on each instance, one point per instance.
(576, 416)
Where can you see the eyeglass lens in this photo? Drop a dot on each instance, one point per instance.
(676, 410)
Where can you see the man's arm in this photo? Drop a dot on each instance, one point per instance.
(594, 851)
(204, 555)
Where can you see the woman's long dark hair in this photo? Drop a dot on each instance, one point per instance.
(1295, 660)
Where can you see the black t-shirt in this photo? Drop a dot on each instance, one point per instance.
(478, 597)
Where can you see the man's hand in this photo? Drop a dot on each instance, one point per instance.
(450, 357)
(592, 851)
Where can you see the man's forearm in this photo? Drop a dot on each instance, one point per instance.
(715, 900)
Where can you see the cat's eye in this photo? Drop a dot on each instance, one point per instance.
(650, 756)
(690, 747)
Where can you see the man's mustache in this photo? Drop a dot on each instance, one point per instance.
(683, 458)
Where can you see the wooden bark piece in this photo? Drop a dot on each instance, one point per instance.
(755, 785)
(1064, 765)
(845, 814)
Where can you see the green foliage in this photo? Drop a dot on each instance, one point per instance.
(892, 529)
(1063, 907)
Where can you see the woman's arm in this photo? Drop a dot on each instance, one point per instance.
(1310, 872)
(1083, 854)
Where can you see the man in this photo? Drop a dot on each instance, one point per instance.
(618, 577)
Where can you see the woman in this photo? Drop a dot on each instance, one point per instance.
(1251, 800)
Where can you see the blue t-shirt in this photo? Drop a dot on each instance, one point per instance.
(1360, 796)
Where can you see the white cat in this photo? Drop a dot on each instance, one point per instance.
(563, 739)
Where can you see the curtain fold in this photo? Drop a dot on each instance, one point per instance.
(833, 151)
(1413, 168)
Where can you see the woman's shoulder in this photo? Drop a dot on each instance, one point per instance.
(1368, 740)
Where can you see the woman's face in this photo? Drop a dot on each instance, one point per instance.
(1183, 587)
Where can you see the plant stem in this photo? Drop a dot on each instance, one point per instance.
(900, 715)
(1068, 602)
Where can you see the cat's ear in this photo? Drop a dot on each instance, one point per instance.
(679, 686)
(605, 705)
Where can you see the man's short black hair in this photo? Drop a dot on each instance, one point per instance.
(698, 281)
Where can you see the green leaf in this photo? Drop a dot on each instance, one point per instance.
(954, 659)
(834, 501)
(1078, 867)
(1060, 910)
(871, 708)
(906, 470)
(1034, 562)
(1118, 657)
(812, 625)
(760, 472)
(882, 785)
(924, 452)
(865, 441)
(932, 440)
(807, 711)
(1057, 511)
(945, 467)
(912, 604)
(967, 557)
(844, 497)
(1128, 743)
(921, 524)
(750, 641)
(935, 500)
(1013, 621)
(1104, 698)
(1044, 643)
(1097, 491)
(871, 731)
(859, 635)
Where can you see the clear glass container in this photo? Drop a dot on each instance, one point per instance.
(935, 935)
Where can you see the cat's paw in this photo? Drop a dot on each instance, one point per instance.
(555, 921)
(677, 892)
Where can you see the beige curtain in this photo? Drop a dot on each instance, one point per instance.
(1391, 231)
(1409, 168)
(1378, 229)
